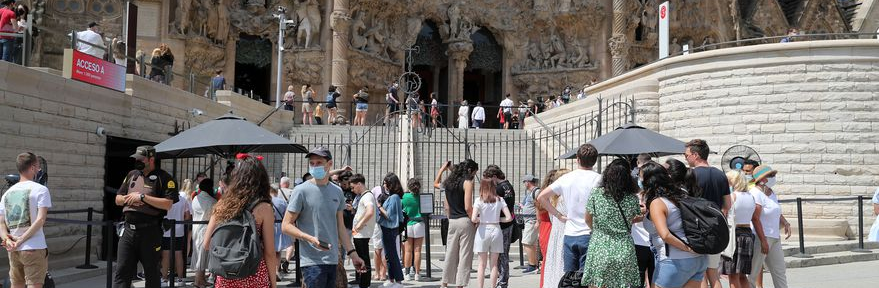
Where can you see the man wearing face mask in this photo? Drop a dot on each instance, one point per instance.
(315, 216)
(748, 170)
(147, 194)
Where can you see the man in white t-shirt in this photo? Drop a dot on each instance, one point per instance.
(23, 210)
(575, 188)
(179, 211)
(93, 37)
(478, 115)
(506, 111)
(364, 225)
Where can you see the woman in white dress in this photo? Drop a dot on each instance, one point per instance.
(463, 112)
(554, 269)
(202, 208)
(874, 230)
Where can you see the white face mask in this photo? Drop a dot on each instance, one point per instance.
(770, 182)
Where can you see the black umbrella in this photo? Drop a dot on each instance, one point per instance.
(631, 139)
(226, 136)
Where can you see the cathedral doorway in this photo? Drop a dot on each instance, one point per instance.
(431, 64)
(253, 63)
(483, 77)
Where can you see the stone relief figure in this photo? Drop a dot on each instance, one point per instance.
(184, 15)
(582, 53)
(558, 50)
(358, 32)
(413, 27)
(308, 15)
(564, 5)
(546, 48)
(708, 41)
(213, 20)
(454, 14)
(535, 57)
(223, 22)
(375, 40)
(542, 5)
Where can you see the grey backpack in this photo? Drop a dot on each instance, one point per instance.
(236, 247)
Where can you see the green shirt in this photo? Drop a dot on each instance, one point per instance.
(412, 208)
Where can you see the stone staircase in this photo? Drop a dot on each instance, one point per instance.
(829, 253)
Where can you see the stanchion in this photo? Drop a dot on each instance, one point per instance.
(172, 266)
(298, 282)
(88, 243)
(802, 253)
(108, 240)
(521, 253)
(860, 248)
(429, 275)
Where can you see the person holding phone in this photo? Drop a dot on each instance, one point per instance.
(315, 216)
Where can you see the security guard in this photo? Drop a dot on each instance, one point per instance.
(146, 195)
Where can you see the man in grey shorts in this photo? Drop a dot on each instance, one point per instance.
(528, 214)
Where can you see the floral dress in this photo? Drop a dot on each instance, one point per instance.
(611, 260)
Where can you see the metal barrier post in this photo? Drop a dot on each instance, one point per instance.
(427, 248)
(191, 83)
(861, 226)
(107, 253)
(172, 266)
(521, 254)
(298, 282)
(88, 243)
(802, 253)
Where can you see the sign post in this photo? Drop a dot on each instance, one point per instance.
(664, 13)
(426, 210)
(90, 69)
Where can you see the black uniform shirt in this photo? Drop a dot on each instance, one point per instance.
(157, 184)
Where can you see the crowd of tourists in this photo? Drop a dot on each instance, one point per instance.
(630, 226)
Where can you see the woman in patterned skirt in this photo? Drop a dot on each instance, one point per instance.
(249, 184)
(611, 209)
(553, 262)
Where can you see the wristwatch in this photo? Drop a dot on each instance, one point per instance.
(141, 197)
(350, 251)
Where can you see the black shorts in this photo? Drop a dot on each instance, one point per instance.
(178, 243)
(331, 105)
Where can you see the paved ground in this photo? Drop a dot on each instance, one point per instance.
(851, 275)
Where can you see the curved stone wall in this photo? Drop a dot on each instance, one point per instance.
(811, 109)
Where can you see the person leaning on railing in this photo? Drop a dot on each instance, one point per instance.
(7, 25)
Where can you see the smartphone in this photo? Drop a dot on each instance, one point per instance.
(324, 245)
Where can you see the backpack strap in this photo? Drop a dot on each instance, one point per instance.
(628, 226)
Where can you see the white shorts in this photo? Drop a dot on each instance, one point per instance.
(714, 261)
(415, 231)
(489, 238)
(377, 238)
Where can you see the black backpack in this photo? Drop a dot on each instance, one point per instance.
(236, 248)
(704, 225)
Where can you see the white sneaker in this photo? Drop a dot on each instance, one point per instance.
(398, 285)
(164, 283)
(417, 277)
(388, 284)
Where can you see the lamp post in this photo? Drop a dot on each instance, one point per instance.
(282, 27)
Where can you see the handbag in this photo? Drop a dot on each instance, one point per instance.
(572, 279)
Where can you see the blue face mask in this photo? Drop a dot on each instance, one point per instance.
(749, 178)
(317, 172)
(640, 184)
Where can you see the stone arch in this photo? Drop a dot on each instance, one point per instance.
(483, 76)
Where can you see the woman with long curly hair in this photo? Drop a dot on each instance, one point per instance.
(678, 266)
(552, 233)
(249, 184)
(459, 200)
(610, 211)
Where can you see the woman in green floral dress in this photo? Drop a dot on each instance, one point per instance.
(611, 260)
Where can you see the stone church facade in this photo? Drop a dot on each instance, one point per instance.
(477, 50)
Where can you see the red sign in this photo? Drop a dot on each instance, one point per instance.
(92, 70)
(662, 12)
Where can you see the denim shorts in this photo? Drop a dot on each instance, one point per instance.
(319, 276)
(574, 252)
(362, 106)
(676, 272)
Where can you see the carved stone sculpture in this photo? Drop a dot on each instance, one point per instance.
(674, 48)
(213, 20)
(223, 22)
(358, 32)
(184, 14)
(308, 15)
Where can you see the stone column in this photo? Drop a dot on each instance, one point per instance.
(459, 53)
(619, 46)
(340, 24)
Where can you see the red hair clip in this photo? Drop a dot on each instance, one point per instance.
(242, 156)
(259, 157)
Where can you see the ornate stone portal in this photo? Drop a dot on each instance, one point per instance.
(546, 44)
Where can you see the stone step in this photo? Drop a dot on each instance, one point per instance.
(832, 258)
(792, 247)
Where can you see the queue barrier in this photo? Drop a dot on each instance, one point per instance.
(799, 200)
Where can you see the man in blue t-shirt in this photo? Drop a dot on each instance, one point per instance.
(217, 83)
(715, 188)
(314, 216)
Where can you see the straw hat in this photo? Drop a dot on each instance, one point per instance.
(763, 172)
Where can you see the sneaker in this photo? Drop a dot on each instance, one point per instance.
(141, 276)
(529, 270)
(164, 283)
(388, 284)
(417, 278)
(179, 283)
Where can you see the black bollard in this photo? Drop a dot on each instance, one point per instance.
(88, 243)
(861, 226)
(172, 267)
(107, 257)
(802, 253)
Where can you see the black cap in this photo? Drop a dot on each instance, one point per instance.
(320, 151)
(93, 24)
(145, 151)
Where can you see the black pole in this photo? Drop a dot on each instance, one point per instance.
(88, 243)
(861, 226)
(185, 246)
(298, 282)
(521, 253)
(427, 247)
(173, 256)
(108, 239)
(802, 253)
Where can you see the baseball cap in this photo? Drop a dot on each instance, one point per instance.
(93, 24)
(145, 151)
(529, 178)
(320, 151)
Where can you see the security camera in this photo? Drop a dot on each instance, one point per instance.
(196, 112)
(101, 131)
